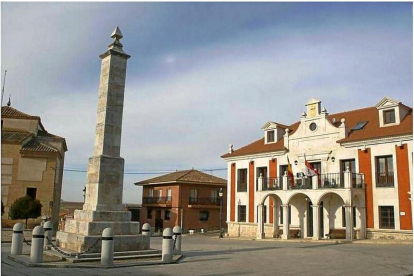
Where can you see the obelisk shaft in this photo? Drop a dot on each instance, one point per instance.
(106, 167)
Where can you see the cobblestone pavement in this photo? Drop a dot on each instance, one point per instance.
(208, 255)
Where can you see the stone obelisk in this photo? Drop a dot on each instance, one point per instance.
(103, 201)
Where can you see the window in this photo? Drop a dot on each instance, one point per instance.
(204, 215)
(169, 194)
(149, 214)
(242, 213)
(242, 180)
(270, 136)
(167, 215)
(150, 192)
(386, 217)
(385, 171)
(263, 172)
(31, 192)
(264, 214)
(359, 125)
(214, 196)
(389, 116)
(353, 217)
(312, 126)
(283, 169)
(159, 193)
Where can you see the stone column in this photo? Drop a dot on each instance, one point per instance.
(315, 209)
(349, 224)
(285, 234)
(260, 231)
(285, 182)
(275, 220)
(362, 222)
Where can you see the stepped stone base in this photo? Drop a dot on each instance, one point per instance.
(78, 243)
(81, 232)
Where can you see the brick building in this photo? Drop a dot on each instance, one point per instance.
(350, 176)
(31, 163)
(187, 198)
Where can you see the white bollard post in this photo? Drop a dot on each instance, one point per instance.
(167, 245)
(177, 233)
(107, 251)
(36, 251)
(48, 227)
(17, 239)
(146, 232)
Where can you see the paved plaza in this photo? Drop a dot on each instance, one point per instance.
(208, 255)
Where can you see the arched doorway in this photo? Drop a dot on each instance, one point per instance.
(268, 211)
(298, 221)
(332, 217)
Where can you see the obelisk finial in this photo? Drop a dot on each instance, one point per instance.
(117, 34)
(116, 44)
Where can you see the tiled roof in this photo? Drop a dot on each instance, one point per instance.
(8, 111)
(46, 134)
(185, 176)
(14, 136)
(35, 146)
(372, 130)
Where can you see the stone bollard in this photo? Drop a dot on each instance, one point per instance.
(48, 227)
(17, 239)
(167, 245)
(36, 251)
(107, 251)
(177, 233)
(146, 232)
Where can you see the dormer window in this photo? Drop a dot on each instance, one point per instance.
(270, 136)
(389, 116)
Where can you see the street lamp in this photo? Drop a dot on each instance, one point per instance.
(221, 211)
(84, 194)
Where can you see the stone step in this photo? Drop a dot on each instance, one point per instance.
(126, 257)
(124, 253)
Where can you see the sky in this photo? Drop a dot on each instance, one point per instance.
(201, 75)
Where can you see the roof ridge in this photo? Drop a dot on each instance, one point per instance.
(188, 171)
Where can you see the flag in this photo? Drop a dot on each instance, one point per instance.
(310, 171)
(290, 173)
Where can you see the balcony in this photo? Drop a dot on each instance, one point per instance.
(385, 179)
(204, 201)
(162, 200)
(271, 183)
(345, 180)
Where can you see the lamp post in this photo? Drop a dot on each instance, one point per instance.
(84, 193)
(221, 211)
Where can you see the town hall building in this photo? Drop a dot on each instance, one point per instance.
(344, 175)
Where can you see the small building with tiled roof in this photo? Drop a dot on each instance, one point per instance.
(188, 198)
(32, 163)
(346, 174)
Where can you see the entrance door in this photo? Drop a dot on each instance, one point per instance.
(310, 220)
(158, 221)
(321, 224)
(345, 164)
(263, 171)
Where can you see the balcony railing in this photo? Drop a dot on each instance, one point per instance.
(343, 180)
(385, 179)
(299, 183)
(204, 200)
(271, 183)
(331, 181)
(157, 200)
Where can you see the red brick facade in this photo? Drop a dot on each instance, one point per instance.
(251, 191)
(365, 167)
(403, 187)
(233, 192)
